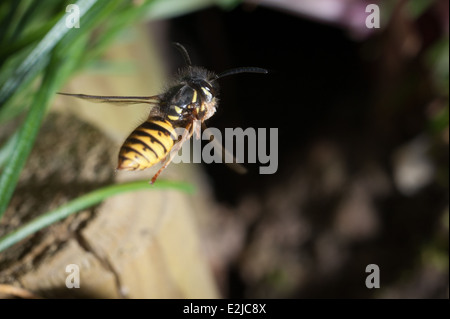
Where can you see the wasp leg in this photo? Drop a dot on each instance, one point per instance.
(186, 135)
(197, 129)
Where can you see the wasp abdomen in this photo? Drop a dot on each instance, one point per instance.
(147, 145)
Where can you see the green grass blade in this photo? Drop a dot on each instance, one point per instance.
(57, 71)
(34, 9)
(7, 149)
(42, 49)
(7, 19)
(33, 36)
(84, 202)
(167, 9)
(27, 135)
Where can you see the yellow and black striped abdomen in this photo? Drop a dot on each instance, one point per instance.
(147, 145)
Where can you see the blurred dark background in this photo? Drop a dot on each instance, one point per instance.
(314, 71)
(362, 175)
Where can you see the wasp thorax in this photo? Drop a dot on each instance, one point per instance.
(190, 100)
(180, 104)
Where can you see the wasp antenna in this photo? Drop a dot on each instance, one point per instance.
(250, 69)
(184, 52)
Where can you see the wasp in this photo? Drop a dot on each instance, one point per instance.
(191, 99)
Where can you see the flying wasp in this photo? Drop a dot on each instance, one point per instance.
(191, 99)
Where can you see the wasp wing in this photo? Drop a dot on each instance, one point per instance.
(117, 100)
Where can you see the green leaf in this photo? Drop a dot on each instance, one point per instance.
(166, 9)
(84, 202)
(58, 70)
(39, 53)
(7, 149)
